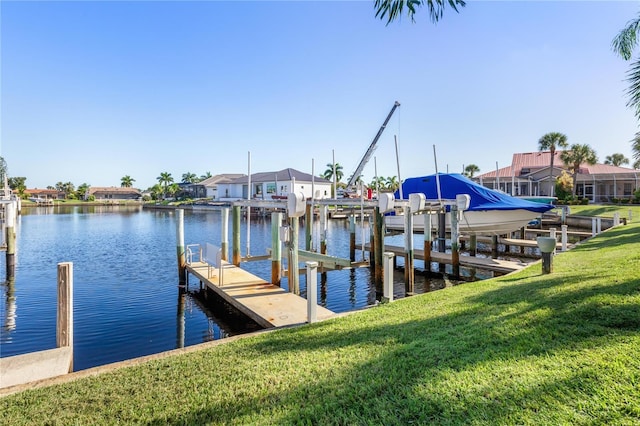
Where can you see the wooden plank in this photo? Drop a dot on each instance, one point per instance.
(326, 260)
(496, 265)
(265, 303)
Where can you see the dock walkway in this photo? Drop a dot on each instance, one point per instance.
(494, 265)
(265, 303)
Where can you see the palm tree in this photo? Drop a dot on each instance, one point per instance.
(578, 154)
(82, 190)
(636, 165)
(127, 181)
(189, 178)
(616, 159)
(624, 44)
(392, 183)
(3, 169)
(156, 191)
(328, 174)
(207, 175)
(392, 9)
(550, 142)
(470, 170)
(378, 183)
(165, 179)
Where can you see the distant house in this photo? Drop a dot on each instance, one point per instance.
(44, 194)
(528, 174)
(270, 185)
(208, 188)
(113, 193)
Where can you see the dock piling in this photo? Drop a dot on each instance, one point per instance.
(294, 275)
(352, 238)
(64, 322)
(378, 238)
(224, 245)
(236, 236)
(312, 292)
(428, 240)
(408, 245)
(276, 249)
(455, 242)
(180, 250)
(10, 234)
(388, 276)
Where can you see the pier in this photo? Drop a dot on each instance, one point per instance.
(263, 302)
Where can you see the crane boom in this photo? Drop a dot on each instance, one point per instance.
(372, 147)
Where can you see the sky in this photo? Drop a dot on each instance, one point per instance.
(93, 91)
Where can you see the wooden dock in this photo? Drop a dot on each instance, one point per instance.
(494, 265)
(265, 303)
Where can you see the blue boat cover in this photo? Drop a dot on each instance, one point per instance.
(482, 198)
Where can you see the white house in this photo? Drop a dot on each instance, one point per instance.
(273, 185)
(210, 185)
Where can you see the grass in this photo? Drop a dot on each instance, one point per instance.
(608, 210)
(525, 348)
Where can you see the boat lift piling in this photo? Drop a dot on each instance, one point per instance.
(235, 256)
(224, 244)
(276, 249)
(180, 248)
(428, 240)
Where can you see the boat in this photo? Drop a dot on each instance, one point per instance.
(538, 198)
(490, 212)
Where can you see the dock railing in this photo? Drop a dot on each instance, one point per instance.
(213, 258)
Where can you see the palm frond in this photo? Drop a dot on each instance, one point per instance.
(393, 9)
(627, 39)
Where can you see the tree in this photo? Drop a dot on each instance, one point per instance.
(550, 142)
(470, 170)
(328, 174)
(189, 178)
(392, 183)
(82, 190)
(165, 179)
(616, 159)
(207, 175)
(564, 185)
(17, 184)
(156, 191)
(635, 147)
(59, 186)
(68, 188)
(636, 165)
(624, 44)
(577, 155)
(378, 183)
(127, 181)
(392, 9)
(3, 169)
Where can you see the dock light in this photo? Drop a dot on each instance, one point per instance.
(546, 245)
(416, 202)
(386, 202)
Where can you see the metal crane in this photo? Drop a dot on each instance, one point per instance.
(372, 147)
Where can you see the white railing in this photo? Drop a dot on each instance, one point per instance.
(194, 253)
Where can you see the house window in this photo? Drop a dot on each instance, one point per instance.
(627, 189)
(271, 188)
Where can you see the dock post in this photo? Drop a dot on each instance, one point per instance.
(388, 276)
(594, 227)
(378, 239)
(352, 238)
(372, 245)
(599, 224)
(616, 219)
(294, 275)
(312, 292)
(180, 319)
(276, 249)
(552, 234)
(224, 246)
(442, 238)
(473, 244)
(522, 237)
(408, 248)
(494, 246)
(236, 236)
(308, 222)
(323, 229)
(564, 237)
(427, 241)
(64, 322)
(180, 251)
(455, 243)
(10, 234)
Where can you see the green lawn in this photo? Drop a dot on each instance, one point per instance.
(525, 348)
(608, 210)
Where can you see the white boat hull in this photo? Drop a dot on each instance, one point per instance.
(484, 222)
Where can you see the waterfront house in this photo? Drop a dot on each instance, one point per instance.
(44, 194)
(270, 185)
(113, 193)
(528, 174)
(208, 188)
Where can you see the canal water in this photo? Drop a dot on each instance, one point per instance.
(127, 301)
